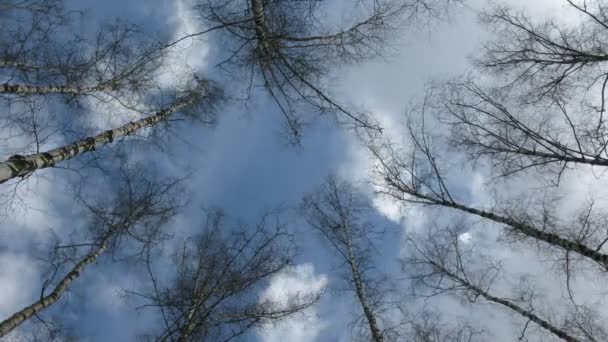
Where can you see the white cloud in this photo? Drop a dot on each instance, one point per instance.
(189, 54)
(300, 280)
(17, 273)
(108, 294)
(465, 237)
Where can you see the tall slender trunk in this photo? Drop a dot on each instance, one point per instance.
(9, 63)
(535, 233)
(523, 228)
(186, 331)
(529, 314)
(190, 323)
(261, 28)
(259, 18)
(16, 319)
(360, 290)
(21, 89)
(21, 166)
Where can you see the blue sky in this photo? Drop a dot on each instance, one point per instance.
(243, 165)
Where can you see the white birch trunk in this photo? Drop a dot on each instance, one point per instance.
(21, 166)
(360, 290)
(523, 228)
(23, 315)
(529, 314)
(261, 29)
(20, 89)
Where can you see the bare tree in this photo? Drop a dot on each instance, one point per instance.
(489, 125)
(556, 58)
(137, 212)
(41, 56)
(287, 44)
(550, 116)
(338, 213)
(198, 101)
(441, 263)
(213, 296)
(417, 177)
(28, 23)
(545, 124)
(427, 325)
(421, 176)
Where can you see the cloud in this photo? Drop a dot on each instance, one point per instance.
(300, 280)
(189, 54)
(17, 272)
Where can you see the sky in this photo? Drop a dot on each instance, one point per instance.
(244, 166)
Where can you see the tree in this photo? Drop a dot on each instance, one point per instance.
(138, 211)
(339, 216)
(213, 294)
(292, 50)
(428, 326)
(544, 125)
(41, 55)
(28, 24)
(443, 264)
(198, 101)
(556, 59)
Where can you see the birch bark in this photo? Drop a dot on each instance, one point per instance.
(26, 313)
(21, 166)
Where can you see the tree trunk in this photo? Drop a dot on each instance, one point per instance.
(190, 324)
(16, 319)
(261, 29)
(535, 233)
(361, 295)
(259, 18)
(523, 228)
(7, 63)
(526, 313)
(20, 89)
(21, 166)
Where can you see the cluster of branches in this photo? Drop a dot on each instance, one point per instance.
(441, 263)
(287, 45)
(551, 129)
(139, 209)
(213, 294)
(39, 59)
(339, 212)
(40, 55)
(121, 64)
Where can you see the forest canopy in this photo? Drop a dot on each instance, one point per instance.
(303, 170)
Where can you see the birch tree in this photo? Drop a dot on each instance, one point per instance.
(214, 294)
(555, 58)
(291, 49)
(27, 25)
(441, 263)
(535, 120)
(426, 325)
(41, 55)
(138, 211)
(417, 177)
(198, 101)
(339, 216)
